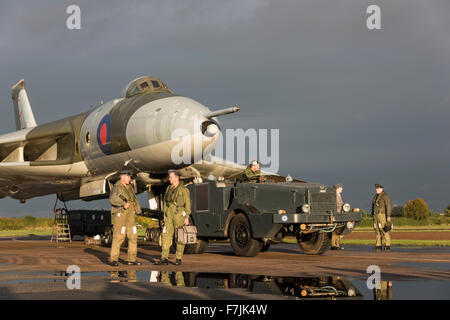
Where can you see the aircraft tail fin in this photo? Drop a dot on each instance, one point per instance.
(24, 114)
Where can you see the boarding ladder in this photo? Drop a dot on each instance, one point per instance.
(61, 228)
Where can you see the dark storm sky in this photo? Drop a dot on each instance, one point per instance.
(353, 105)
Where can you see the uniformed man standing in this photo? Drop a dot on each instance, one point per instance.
(252, 173)
(381, 213)
(335, 238)
(125, 205)
(177, 208)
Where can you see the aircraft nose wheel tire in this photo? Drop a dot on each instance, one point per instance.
(107, 238)
(265, 247)
(241, 239)
(314, 243)
(152, 234)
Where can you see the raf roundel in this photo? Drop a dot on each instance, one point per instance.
(104, 134)
(284, 218)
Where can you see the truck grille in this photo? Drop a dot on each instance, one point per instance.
(323, 202)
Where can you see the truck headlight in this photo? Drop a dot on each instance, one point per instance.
(346, 207)
(350, 225)
(351, 292)
(306, 208)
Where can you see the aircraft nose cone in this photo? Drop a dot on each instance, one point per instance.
(210, 129)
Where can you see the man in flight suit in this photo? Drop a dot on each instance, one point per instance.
(177, 208)
(335, 238)
(252, 173)
(125, 205)
(381, 213)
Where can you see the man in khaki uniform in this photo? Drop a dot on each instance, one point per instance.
(252, 173)
(381, 213)
(177, 208)
(335, 238)
(125, 205)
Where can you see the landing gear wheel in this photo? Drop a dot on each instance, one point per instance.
(314, 243)
(265, 247)
(152, 234)
(241, 239)
(107, 238)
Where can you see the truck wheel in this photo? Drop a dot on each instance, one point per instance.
(241, 239)
(314, 243)
(198, 248)
(265, 247)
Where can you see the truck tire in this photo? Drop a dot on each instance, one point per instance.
(314, 243)
(198, 248)
(241, 239)
(265, 247)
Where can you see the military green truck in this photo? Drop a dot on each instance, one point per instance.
(253, 216)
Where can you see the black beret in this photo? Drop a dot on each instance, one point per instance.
(338, 185)
(378, 186)
(127, 172)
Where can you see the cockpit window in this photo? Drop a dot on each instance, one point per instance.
(144, 85)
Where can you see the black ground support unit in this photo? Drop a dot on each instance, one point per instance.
(89, 222)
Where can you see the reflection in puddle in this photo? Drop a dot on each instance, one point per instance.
(385, 292)
(123, 276)
(327, 287)
(299, 287)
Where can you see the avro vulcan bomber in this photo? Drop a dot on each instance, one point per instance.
(79, 157)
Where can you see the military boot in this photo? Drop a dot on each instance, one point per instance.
(387, 248)
(134, 263)
(161, 262)
(378, 248)
(114, 263)
(178, 262)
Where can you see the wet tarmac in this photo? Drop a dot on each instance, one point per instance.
(36, 269)
(224, 286)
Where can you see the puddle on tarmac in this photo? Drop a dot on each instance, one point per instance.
(294, 287)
